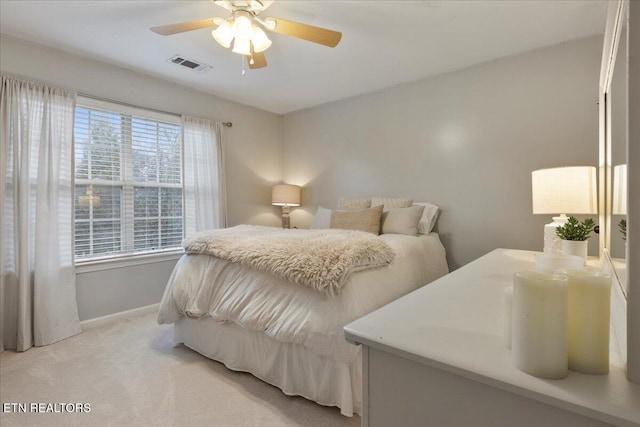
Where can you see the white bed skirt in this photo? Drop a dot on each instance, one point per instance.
(293, 368)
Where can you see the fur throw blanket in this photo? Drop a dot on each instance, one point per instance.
(319, 259)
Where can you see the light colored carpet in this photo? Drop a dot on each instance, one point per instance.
(132, 375)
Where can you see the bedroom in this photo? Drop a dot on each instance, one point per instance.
(465, 138)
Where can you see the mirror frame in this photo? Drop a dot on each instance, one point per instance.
(616, 16)
(625, 304)
(612, 34)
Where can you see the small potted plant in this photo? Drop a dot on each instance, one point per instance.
(623, 228)
(574, 235)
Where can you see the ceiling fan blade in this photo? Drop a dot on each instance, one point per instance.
(181, 27)
(306, 32)
(259, 60)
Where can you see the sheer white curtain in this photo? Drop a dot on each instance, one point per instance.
(37, 277)
(205, 198)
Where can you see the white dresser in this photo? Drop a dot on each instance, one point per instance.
(436, 357)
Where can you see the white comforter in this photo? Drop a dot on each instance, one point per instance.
(203, 285)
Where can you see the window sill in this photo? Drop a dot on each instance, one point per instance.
(89, 266)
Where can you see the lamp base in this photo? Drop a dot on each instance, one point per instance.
(552, 243)
(285, 217)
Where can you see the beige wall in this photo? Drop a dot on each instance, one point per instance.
(253, 156)
(466, 141)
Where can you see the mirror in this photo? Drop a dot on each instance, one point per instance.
(617, 116)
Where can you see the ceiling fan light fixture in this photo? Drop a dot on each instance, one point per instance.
(222, 3)
(242, 46)
(242, 24)
(246, 31)
(223, 34)
(270, 23)
(260, 40)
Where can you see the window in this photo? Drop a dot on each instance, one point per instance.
(128, 189)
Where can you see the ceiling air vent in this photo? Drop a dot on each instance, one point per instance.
(189, 63)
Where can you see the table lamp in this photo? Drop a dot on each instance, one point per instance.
(285, 195)
(566, 190)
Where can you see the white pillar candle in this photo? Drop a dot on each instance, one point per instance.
(506, 332)
(589, 310)
(539, 336)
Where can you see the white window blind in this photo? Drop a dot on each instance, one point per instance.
(128, 188)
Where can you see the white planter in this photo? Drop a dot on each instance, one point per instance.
(575, 247)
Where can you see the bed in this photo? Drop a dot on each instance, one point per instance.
(288, 335)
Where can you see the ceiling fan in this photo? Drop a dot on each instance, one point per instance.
(245, 29)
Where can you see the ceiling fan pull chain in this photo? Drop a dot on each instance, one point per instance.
(243, 70)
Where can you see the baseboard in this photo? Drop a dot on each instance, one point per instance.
(110, 318)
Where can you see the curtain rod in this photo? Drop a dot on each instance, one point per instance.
(100, 98)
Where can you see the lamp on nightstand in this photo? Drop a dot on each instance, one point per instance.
(285, 195)
(566, 190)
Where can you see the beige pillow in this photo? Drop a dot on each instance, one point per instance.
(391, 203)
(361, 219)
(349, 203)
(402, 220)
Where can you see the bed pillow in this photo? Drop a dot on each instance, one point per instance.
(429, 217)
(349, 203)
(322, 220)
(401, 220)
(360, 219)
(391, 203)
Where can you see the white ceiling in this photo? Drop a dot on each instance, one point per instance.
(384, 43)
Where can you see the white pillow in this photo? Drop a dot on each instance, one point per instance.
(402, 220)
(429, 217)
(391, 203)
(322, 220)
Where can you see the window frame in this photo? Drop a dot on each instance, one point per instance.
(128, 184)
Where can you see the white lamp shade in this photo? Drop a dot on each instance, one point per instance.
(620, 190)
(242, 25)
(223, 34)
(260, 40)
(242, 46)
(285, 195)
(567, 190)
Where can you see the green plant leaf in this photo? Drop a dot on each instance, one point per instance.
(575, 230)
